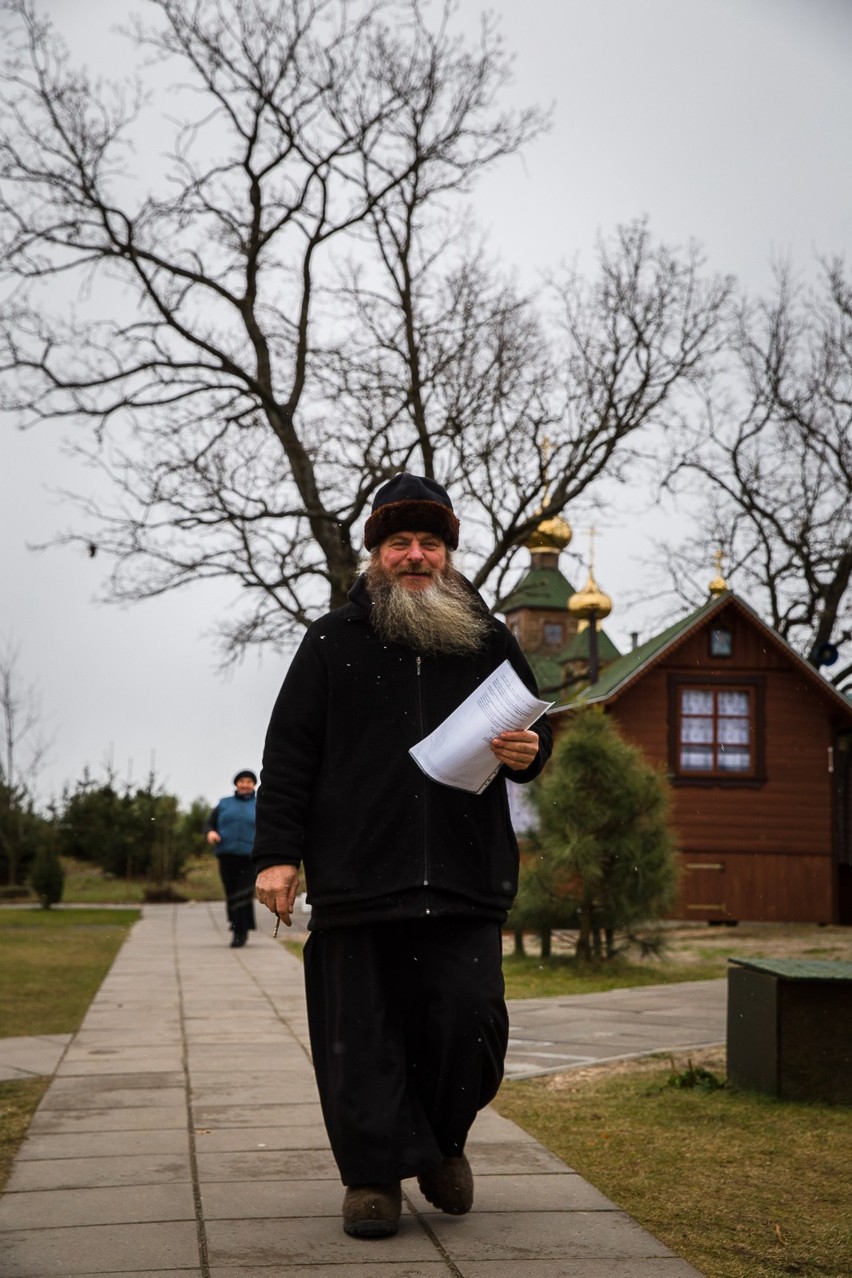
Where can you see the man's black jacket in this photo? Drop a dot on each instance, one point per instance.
(339, 790)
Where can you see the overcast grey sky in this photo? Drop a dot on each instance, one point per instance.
(725, 121)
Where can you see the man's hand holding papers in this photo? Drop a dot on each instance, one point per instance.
(516, 750)
(489, 728)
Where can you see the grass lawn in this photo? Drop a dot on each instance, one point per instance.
(741, 1185)
(53, 962)
(85, 884)
(530, 977)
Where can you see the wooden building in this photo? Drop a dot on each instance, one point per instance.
(758, 749)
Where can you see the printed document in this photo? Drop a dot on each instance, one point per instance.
(458, 752)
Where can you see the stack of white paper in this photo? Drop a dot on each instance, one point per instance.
(458, 752)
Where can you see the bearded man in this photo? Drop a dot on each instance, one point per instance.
(409, 881)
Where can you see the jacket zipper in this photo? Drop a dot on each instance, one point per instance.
(425, 795)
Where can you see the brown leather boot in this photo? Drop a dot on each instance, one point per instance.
(372, 1211)
(449, 1186)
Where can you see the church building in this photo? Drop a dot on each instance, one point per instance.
(756, 744)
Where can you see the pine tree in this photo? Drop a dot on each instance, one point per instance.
(604, 854)
(47, 876)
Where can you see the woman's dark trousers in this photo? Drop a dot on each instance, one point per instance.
(238, 875)
(408, 1029)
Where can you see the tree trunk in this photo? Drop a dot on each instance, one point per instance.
(584, 945)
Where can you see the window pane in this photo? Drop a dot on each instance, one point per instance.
(731, 759)
(733, 731)
(696, 729)
(697, 759)
(694, 702)
(716, 731)
(733, 703)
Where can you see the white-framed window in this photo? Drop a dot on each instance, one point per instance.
(716, 732)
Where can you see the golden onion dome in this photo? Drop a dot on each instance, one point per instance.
(718, 585)
(551, 534)
(590, 600)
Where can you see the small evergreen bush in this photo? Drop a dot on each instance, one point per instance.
(603, 858)
(47, 877)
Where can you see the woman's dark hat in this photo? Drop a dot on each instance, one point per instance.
(246, 772)
(411, 503)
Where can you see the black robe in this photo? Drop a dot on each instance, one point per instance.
(339, 790)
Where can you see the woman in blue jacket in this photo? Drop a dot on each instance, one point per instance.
(230, 830)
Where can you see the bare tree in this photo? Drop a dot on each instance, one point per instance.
(24, 747)
(21, 722)
(300, 316)
(774, 463)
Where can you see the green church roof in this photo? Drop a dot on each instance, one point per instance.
(577, 648)
(625, 667)
(548, 673)
(538, 588)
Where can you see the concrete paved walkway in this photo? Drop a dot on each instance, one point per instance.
(181, 1138)
(551, 1035)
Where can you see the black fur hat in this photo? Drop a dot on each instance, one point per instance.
(411, 503)
(246, 772)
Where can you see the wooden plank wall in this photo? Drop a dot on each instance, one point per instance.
(785, 888)
(772, 840)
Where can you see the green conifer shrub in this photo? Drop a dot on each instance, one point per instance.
(47, 876)
(603, 859)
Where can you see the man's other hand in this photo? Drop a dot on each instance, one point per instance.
(276, 888)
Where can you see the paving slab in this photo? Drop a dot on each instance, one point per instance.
(32, 1057)
(298, 1136)
(303, 1164)
(58, 1145)
(68, 1173)
(313, 1240)
(126, 1249)
(109, 1205)
(181, 1135)
(540, 1235)
(144, 1117)
(94, 1091)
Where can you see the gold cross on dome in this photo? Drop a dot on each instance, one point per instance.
(593, 532)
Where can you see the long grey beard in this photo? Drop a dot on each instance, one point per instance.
(443, 618)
